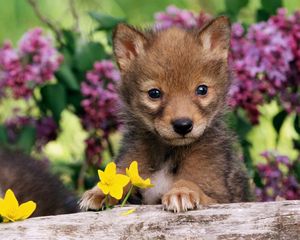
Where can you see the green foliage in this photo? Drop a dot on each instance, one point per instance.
(233, 7)
(268, 8)
(87, 54)
(297, 169)
(278, 121)
(106, 22)
(54, 98)
(296, 141)
(262, 15)
(271, 6)
(297, 124)
(3, 135)
(27, 138)
(67, 77)
(238, 123)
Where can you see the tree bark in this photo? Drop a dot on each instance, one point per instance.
(273, 220)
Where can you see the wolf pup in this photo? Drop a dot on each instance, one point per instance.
(174, 88)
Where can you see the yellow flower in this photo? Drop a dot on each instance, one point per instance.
(112, 183)
(10, 209)
(135, 178)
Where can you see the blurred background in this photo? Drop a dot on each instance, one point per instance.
(57, 82)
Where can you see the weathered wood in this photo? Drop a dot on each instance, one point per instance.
(274, 220)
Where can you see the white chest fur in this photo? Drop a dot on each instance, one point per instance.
(162, 182)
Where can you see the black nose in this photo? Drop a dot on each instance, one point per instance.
(182, 125)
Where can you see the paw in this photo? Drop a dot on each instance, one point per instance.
(181, 199)
(92, 199)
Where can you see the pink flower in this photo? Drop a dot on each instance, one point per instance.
(31, 65)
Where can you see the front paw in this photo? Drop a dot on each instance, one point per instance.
(181, 199)
(94, 199)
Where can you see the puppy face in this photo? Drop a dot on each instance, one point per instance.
(174, 81)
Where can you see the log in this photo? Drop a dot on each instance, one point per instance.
(272, 220)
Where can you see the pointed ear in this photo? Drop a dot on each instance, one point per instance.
(128, 43)
(215, 36)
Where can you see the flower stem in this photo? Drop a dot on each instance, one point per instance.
(127, 196)
(106, 202)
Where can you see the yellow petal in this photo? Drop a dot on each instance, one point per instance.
(143, 183)
(147, 182)
(110, 169)
(25, 210)
(121, 180)
(103, 187)
(1, 205)
(101, 175)
(133, 169)
(130, 211)
(116, 191)
(10, 199)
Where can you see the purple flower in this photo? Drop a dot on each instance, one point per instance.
(94, 149)
(100, 97)
(32, 64)
(264, 61)
(180, 18)
(277, 178)
(100, 105)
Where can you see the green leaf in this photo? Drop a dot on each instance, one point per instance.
(233, 7)
(3, 135)
(296, 144)
(238, 123)
(262, 15)
(257, 179)
(26, 139)
(74, 98)
(54, 99)
(88, 54)
(278, 120)
(297, 124)
(271, 6)
(296, 169)
(70, 38)
(106, 22)
(67, 77)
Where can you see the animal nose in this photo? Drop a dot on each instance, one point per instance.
(182, 126)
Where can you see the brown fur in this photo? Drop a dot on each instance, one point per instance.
(30, 180)
(199, 167)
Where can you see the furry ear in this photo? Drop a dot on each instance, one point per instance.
(128, 44)
(215, 36)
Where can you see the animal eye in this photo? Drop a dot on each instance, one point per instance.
(154, 93)
(201, 90)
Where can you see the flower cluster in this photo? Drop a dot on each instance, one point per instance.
(10, 210)
(32, 64)
(180, 18)
(113, 184)
(277, 178)
(46, 129)
(266, 64)
(93, 149)
(100, 97)
(100, 104)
